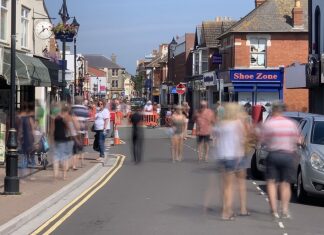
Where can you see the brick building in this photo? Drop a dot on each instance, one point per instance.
(258, 48)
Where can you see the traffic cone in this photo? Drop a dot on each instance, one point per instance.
(116, 136)
(194, 130)
(86, 139)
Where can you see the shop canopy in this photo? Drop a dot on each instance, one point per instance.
(30, 71)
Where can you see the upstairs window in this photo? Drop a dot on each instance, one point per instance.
(3, 20)
(114, 83)
(258, 52)
(204, 61)
(115, 72)
(195, 63)
(24, 26)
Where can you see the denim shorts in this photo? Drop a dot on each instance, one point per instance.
(280, 166)
(63, 150)
(233, 164)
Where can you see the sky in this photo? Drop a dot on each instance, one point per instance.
(131, 29)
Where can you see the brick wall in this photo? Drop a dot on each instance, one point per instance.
(285, 49)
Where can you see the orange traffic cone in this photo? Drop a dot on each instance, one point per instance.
(116, 136)
(194, 129)
(86, 139)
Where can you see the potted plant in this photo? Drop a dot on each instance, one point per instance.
(64, 31)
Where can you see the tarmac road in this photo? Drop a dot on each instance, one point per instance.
(158, 197)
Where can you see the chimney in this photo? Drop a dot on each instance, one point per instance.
(298, 15)
(259, 2)
(113, 58)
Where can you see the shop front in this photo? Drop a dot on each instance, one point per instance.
(257, 86)
(212, 94)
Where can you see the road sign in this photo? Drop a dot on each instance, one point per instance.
(181, 89)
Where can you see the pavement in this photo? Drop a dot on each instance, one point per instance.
(39, 190)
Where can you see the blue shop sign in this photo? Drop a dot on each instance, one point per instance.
(257, 75)
(217, 58)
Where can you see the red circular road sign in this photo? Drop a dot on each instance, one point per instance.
(181, 89)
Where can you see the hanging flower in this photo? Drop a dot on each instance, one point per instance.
(64, 29)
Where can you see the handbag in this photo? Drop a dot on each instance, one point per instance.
(96, 143)
(45, 145)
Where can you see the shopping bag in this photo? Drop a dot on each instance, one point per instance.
(45, 145)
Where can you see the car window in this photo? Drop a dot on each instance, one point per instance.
(318, 133)
(301, 125)
(305, 129)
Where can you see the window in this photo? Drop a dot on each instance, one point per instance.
(3, 20)
(24, 26)
(258, 52)
(115, 72)
(195, 63)
(204, 61)
(114, 83)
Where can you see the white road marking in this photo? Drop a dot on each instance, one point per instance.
(262, 193)
(258, 188)
(267, 199)
(254, 183)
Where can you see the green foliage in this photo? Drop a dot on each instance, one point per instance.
(138, 83)
(64, 29)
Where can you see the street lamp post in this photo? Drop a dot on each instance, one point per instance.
(77, 25)
(11, 180)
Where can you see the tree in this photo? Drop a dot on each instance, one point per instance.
(138, 84)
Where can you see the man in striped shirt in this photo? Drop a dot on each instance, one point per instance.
(281, 136)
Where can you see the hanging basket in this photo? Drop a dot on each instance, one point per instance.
(65, 36)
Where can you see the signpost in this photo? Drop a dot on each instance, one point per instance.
(181, 89)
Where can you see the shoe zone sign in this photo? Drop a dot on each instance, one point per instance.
(258, 75)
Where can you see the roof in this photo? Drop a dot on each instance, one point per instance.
(100, 61)
(271, 16)
(155, 62)
(212, 29)
(96, 72)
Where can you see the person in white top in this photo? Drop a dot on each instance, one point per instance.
(101, 127)
(230, 135)
(148, 107)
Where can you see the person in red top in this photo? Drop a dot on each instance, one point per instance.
(205, 119)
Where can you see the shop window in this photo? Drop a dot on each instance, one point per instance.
(3, 20)
(258, 52)
(24, 26)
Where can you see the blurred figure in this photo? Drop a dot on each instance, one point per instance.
(178, 126)
(281, 136)
(81, 114)
(168, 120)
(27, 139)
(40, 115)
(148, 107)
(63, 143)
(230, 153)
(219, 111)
(101, 127)
(205, 119)
(185, 112)
(137, 135)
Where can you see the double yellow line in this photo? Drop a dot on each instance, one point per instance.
(53, 223)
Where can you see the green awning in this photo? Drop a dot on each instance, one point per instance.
(30, 71)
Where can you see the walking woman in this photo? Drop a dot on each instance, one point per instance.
(185, 112)
(178, 126)
(101, 127)
(230, 151)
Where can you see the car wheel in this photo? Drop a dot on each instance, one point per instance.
(256, 174)
(301, 193)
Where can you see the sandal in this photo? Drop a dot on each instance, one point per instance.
(230, 218)
(244, 214)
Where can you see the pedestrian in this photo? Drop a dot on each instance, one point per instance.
(81, 114)
(185, 112)
(63, 143)
(137, 135)
(230, 154)
(27, 138)
(148, 108)
(219, 110)
(205, 119)
(101, 127)
(281, 136)
(178, 127)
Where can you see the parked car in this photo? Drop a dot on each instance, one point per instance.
(258, 159)
(137, 102)
(309, 164)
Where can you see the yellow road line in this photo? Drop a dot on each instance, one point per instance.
(93, 189)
